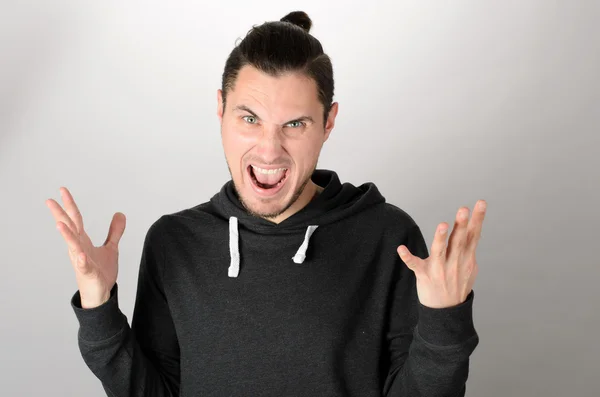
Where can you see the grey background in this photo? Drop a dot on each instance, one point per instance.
(441, 103)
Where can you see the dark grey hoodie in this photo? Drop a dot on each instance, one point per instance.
(318, 305)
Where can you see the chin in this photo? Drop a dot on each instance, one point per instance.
(269, 210)
(264, 208)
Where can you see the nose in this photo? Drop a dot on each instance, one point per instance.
(270, 145)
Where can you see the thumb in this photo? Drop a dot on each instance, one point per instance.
(116, 229)
(411, 261)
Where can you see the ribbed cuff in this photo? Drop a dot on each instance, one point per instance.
(447, 326)
(102, 322)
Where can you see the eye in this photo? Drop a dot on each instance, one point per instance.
(295, 124)
(250, 119)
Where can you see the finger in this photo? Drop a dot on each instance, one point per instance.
(458, 238)
(413, 262)
(474, 228)
(60, 215)
(71, 239)
(81, 261)
(116, 229)
(439, 246)
(72, 209)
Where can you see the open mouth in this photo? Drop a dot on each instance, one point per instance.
(267, 181)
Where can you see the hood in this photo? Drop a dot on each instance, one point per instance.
(336, 201)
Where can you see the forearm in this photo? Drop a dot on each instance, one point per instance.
(437, 363)
(110, 349)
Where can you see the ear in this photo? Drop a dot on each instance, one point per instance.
(329, 124)
(220, 105)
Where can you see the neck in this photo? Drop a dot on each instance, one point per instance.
(311, 190)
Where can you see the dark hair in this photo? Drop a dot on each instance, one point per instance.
(283, 46)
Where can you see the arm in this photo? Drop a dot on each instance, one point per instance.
(428, 348)
(141, 360)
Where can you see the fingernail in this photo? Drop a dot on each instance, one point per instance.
(443, 230)
(464, 214)
(482, 205)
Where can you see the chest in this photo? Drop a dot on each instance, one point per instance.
(276, 312)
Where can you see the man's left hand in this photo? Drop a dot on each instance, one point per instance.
(446, 277)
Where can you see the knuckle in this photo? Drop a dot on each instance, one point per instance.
(441, 252)
(461, 241)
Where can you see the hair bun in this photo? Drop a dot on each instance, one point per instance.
(298, 18)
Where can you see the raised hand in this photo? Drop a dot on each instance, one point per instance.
(96, 268)
(446, 277)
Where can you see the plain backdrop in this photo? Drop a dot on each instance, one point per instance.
(441, 104)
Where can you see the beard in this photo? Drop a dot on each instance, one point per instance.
(273, 214)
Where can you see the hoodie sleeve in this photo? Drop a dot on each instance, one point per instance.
(141, 360)
(428, 348)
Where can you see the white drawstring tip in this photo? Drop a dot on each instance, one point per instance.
(299, 257)
(301, 253)
(233, 271)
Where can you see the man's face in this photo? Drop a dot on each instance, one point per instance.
(272, 132)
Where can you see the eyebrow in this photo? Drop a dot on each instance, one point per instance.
(245, 108)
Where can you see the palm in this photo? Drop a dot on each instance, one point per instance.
(103, 259)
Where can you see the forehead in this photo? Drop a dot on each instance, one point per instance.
(284, 93)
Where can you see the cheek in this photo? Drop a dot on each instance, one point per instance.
(305, 154)
(235, 142)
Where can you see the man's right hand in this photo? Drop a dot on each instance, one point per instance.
(96, 268)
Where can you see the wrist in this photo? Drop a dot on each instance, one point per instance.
(100, 323)
(447, 326)
(88, 302)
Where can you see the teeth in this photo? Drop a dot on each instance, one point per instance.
(263, 171)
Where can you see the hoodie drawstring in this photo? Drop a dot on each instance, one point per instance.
(301, 253)
(234, 252)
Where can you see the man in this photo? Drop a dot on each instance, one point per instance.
(287, 282)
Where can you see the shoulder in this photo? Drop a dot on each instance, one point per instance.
(183, 221)
(385, 222)
(392, 217)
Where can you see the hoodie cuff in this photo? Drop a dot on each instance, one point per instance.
(102, 322)
(447, 326)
